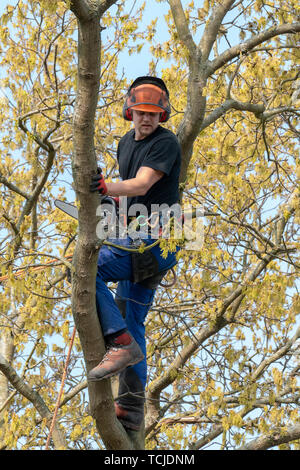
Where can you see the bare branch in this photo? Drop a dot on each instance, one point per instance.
(33, 198)
(35, 137)
(68, 396)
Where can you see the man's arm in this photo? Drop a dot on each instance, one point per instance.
(138, 186)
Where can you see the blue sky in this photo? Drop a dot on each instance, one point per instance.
(138, 64)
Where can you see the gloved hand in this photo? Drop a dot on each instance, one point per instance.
(98, 183)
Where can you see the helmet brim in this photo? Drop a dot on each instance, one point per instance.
(150, 108)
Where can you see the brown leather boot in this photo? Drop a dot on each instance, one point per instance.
(123, 352)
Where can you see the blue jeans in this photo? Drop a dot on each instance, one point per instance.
(114, 265)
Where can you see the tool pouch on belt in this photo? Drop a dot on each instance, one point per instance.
(145, 269)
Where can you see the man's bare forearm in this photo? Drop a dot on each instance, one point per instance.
(130, 188)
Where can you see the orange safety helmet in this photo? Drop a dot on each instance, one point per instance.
(147, 94)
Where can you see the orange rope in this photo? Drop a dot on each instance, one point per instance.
(21, 272)
(61, 389)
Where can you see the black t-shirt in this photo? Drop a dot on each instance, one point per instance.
(160, 151)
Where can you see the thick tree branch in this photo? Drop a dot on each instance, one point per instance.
(275, 437)
(82, 9)
(256, 109)
(182, 26)
(13, 187)
(85, 10)
(105, 5)
(212, 27)
(248, 45)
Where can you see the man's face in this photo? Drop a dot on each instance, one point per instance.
(145, 123)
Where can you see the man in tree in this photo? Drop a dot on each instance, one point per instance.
(149, 162)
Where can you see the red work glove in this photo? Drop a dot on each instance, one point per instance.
(98, 183)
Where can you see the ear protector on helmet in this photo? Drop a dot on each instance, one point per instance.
(147, 94)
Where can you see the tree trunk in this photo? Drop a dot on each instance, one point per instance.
(85, 257)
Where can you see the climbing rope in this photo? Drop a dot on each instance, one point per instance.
(19, 273)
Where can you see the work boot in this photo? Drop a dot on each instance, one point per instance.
(122, 352)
